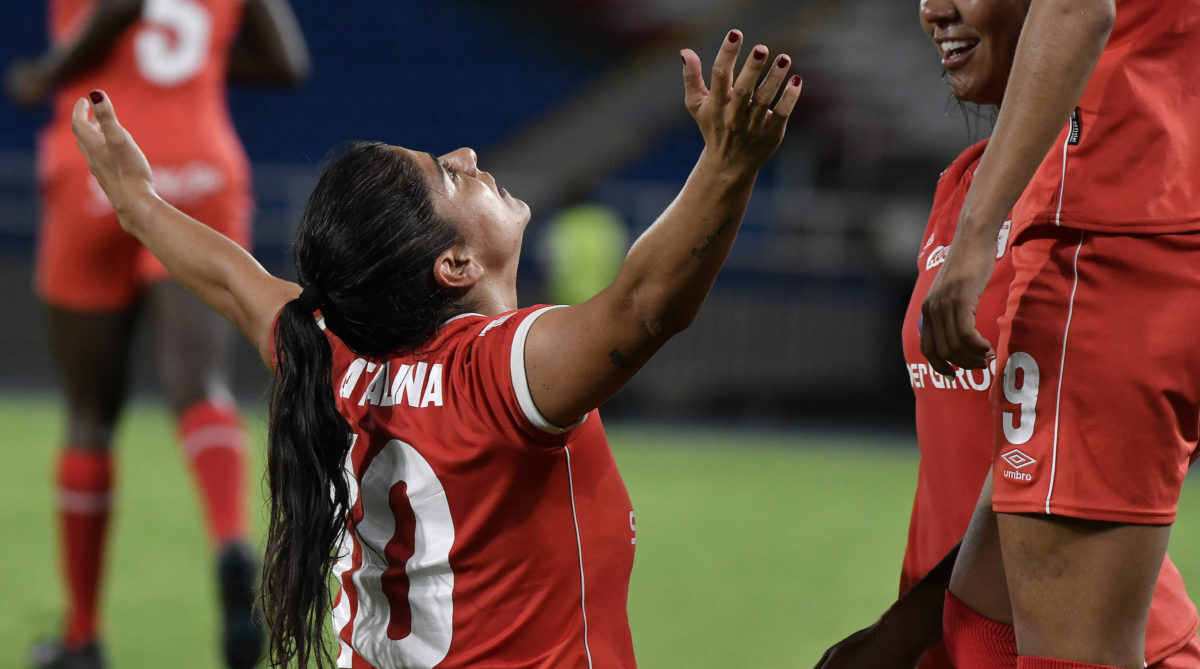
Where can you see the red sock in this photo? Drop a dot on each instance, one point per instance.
(975, 642)
(1030, 662)
(85, 480)
(215, 445)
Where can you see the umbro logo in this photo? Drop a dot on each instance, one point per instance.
(1017, 460)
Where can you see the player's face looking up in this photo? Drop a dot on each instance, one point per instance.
(976, 40)
(489, 220)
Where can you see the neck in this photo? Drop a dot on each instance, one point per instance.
(492, 297)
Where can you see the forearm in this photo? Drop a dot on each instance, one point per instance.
(211, 266)
(271, 50)
(914, 621)
(93, 43)
(672, 266)
(1060, 45)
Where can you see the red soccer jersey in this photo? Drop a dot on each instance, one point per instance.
(480, 535)
(166, 75)
(953, 417)
(1128, 161)
(954, 425)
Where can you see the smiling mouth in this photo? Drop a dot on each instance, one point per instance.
(954, 50)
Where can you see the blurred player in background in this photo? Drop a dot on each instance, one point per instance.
(477, 515)
(977, 42)
(170, 59)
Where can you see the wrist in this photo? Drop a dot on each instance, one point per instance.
(723, 170)
(136, 207)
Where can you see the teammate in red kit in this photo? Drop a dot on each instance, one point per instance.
(170, 60)
(477, 516)
(1096, 417)
(977, 41)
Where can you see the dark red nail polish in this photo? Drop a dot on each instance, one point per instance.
(782, 61)
(733, 37)
(97, 97)
(759, 55)
(797, 80)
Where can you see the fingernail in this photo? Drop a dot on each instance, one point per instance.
(682, 59)
(797, 80)
(97, 97)
(759, 54)
(733, 37)
(781, 61)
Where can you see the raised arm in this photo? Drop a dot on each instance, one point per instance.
(271, 50)
(577, 357)
(1060, 45)
(210, 265)
(29, 82)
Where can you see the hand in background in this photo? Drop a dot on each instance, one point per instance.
(27, 83)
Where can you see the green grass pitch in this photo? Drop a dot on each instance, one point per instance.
(754, 549)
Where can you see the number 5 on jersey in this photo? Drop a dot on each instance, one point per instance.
(174, 44)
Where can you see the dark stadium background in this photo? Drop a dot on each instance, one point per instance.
(573, 102)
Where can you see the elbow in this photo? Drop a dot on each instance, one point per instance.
(1104, 17)
(1095, 17)
(298, 69)
(658, 317)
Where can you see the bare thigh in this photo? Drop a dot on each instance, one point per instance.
(92, 351)
(1081, 589)
(193, 346)
(978, 579)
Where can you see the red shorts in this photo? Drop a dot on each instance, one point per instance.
(1187, 657)
(1099, 408)
(86, 262)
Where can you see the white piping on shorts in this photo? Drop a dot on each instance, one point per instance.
(1062, 363)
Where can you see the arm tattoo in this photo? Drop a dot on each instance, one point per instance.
(619, 360)
(710, 240)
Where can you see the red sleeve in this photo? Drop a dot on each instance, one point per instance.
(494, 372)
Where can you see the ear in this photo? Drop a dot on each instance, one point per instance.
(457, 267)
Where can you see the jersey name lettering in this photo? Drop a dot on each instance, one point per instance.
(922, 375)
(418, 385)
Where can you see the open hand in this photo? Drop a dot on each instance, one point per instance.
(113, 157)
(735, 116)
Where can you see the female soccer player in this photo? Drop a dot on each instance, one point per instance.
(477, 516)
(977, 42)
(169, 60)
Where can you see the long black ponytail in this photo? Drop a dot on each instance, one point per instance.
(364, 253)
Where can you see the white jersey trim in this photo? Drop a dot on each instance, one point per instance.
(521, 383)
(1062, 180)
(579, 547)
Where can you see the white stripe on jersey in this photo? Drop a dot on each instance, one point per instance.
(579, 547)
